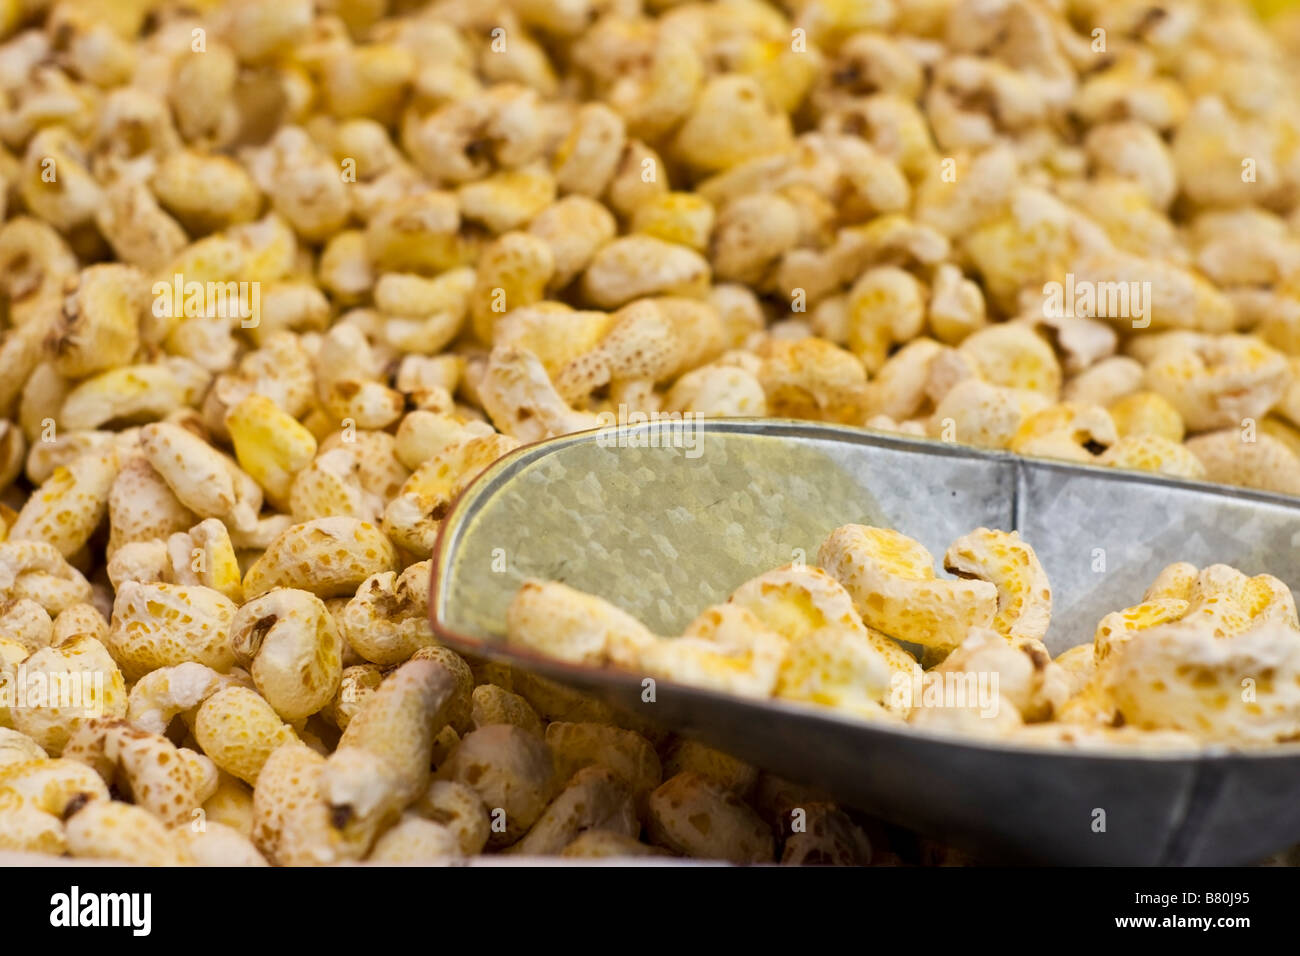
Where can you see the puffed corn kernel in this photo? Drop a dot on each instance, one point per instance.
(202, 478)
(630, 185)
(132, 393)
(326, 556)
(586, 160)
(98, 327)
(239, 731)
(38, 571)
(288, 642)
(70, 198)
(345, 268)
(387, 620)
(830, 837)
(460, 706)
(1069, 431)
(900, 388)
(1147, 413)
(413, 516)
(511, 770)
(891, 578)
(495, 705)
(575, 228)
(218, 844)
(512, 271)
(832, 658)
(79, 620)
(144, 562)
(718, 391)
(656, 97)
(457, 807)
(205, 193)
(627, 755)
(1001, 558)
(291, 825)
(270, 445)
(23, 828)
(85, 683)
(1215, 381)
(1265, 463)
(556, 334)
(379, 469)
(1105, 383)
(683, 218)
(18, 748)
(1176, 677)
(1119, 627)
(159, 625)
(812, 378)
(25, 621)
(691, 815)
(1153, 453)
(521, 400)
(49, 787)
(415, 839)
(719, 768)
(731, 121)
(726, 648)
(112, 830)
(632, 267)
(509, 199)
(69, 505)
(979, 413)
(886, 306)
(1014, 356)
(145, 766)
(302, 182)
(37, 260)
(231, 804)
(383, 758)
(593, 799)
(205, 555)
(561, 622)
(142, 507)
(163, 694)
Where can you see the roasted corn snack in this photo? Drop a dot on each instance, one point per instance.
(270, 301)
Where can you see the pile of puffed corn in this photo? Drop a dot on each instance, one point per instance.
(278, 278)
(1209, 655)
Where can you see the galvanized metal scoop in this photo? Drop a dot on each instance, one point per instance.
(664, 519)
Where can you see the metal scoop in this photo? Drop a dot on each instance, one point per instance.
(665, 519)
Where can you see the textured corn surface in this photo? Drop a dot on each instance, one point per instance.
(278, 280)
